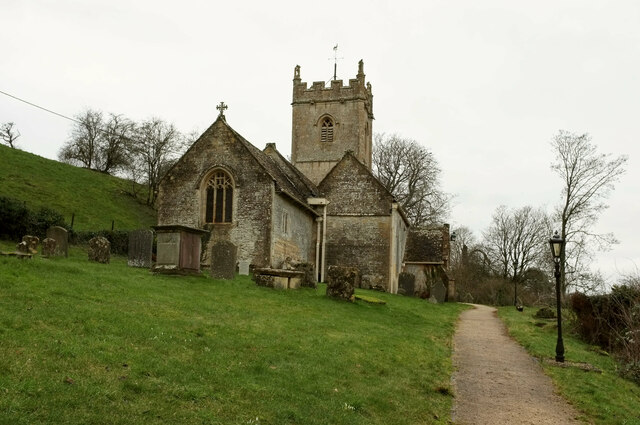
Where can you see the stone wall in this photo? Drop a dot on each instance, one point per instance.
(181, 194)
(352, 190)
(293, 233)
(398, 241)
(361, 242)
(428, 244)
(359, 223)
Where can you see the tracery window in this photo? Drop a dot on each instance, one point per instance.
(326, 130)
(219, 202)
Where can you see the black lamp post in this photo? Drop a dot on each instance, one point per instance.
(557, 245)
(515, 285)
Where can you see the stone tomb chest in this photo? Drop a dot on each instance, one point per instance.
(179, 249)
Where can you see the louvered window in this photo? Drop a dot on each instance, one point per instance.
(219, 203)
(326, 131)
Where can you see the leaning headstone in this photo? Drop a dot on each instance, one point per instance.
(48, 247)
(342, 281)
(308, 278)
(223, 260)
(140, 248)
(438, 291)
(99, 250)
(62, 239)
(32, 243)
(22, 248)
(406, 284)
(243, 268)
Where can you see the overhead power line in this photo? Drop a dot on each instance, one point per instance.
(40, 107)
(62, 115)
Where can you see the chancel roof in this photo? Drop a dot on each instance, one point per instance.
(288, 179)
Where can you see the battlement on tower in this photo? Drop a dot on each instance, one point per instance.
(335, 91)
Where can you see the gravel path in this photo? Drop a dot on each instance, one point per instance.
(496, 381)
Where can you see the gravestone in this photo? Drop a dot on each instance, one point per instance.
(406, 284)
(223, 260)
(48, 247)
(140, 248)
(32, 243)
(99, 250)
(438, 291)
(243, 268)
(308, 279)
(22, 248)
(342, 281)
(62, 240)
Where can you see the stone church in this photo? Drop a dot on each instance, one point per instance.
(324, 207)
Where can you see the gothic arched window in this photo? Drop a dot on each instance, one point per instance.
(219, 199)
(326, 130)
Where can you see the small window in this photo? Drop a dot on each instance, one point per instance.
(326, 130)
(219, 201)
(285, 222)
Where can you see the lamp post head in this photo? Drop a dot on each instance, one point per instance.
(556, 243)
(453, 236)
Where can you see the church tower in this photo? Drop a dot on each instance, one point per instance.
(328, 121)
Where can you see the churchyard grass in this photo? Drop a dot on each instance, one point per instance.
(605, 398)
(95, 198)
(88, 343)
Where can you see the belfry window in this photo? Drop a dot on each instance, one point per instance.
(219, 202)
(326, 130)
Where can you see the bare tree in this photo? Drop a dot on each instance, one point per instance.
(588, 178)
(516, 241)
(115, 144)
(9, 134)
(411, 173)
(157, 144)
(82, 146)
(464, 238)
(191, 137)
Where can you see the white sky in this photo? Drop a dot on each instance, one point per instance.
(484, 84)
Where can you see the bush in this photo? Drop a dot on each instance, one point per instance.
(545, 313)
(613, 322)
(16, 220)
(42, 219)
(631, 371)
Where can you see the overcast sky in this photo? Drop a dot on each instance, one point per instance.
(484, 84)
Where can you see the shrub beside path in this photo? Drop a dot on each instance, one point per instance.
(496, 381)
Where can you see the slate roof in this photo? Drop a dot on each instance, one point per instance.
(287, 178)
(424, 245)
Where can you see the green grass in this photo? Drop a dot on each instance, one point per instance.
(605, 398)
(95, 198)
(87, 343)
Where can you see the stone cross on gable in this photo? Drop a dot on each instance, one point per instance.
(221, 107)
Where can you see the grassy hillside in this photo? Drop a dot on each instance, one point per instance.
(95, 198)
(87, 343)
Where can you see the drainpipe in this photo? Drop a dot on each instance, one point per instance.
(321, 261)
(316, 264)
(324, 241)
(392, 253)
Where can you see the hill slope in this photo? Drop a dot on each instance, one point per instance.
(95, 198)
